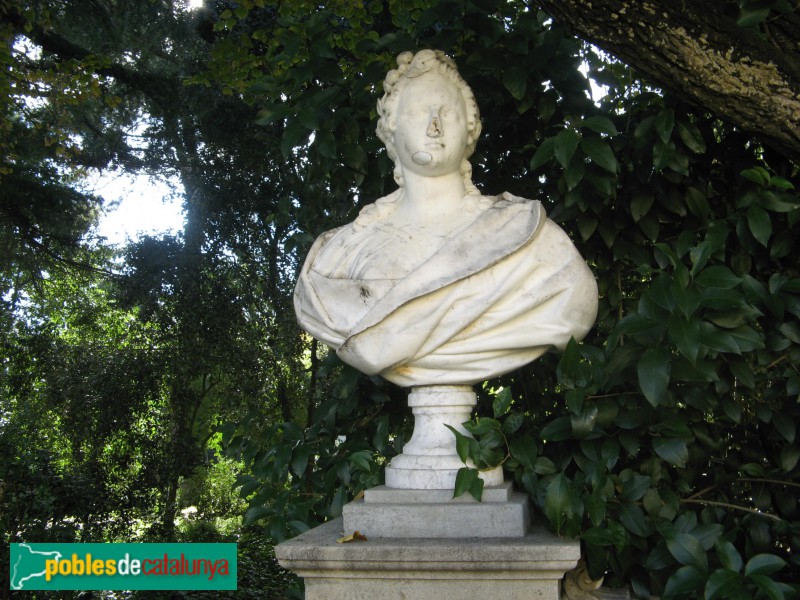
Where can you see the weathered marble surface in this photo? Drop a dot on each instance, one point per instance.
(401, 569)
(437, 284)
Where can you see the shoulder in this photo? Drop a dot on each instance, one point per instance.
(506, 208)
(378, 210)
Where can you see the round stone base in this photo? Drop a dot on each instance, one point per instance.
(410, 472)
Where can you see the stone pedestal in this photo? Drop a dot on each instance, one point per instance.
(519, 568)
(385, 512)
(429, 459)
(423, 543)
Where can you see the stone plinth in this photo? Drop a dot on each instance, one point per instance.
(387, 512)
(519, 568)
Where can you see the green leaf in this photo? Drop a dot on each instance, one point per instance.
(750, 16)
(462, 443)
(673, 450)
(600, 153)
(728, 555)
(574, 174)
(760, 224)
(653, 371)
(764, 564)
(361, 459)
(721, 584)
(558, 500)
(789, 457)
(708, 534)
(482, 426)
(468, 480)
(733, 319)
(781, 203)
(299, 526)
(600, 125)
(697, 203)
(544, 466)
(586, 225)
(583, 423)
(257, 512)
(753, 469)
(700, 255)
(785, 425)
(543, 153)
(635, 487)
(791, 330)
(524, 449)
(663, 153)
(691, 136)
(743, 372)
(686, 549)
(300, 459)
(294, 135)
(757, 175)
(605, 184)
(271, 113)
(308, 118)
(719, 277)
(492, 449)
(355, 157)
(565, 144)
(660, 558)
(747, 339)
(516, 81)
(685, 581)
(502, 402)
(599, 536)
(249, 487)
(633, 519)
(344, 472)
(513, 422)
(640, 204)
(665, 121)
(686, 335)
(596, 509)
(557, 430)
(771, 589)
(291, 432)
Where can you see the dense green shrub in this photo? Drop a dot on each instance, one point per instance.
(666, 440)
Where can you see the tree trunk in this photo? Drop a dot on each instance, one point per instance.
(170, 508)
(698, 51)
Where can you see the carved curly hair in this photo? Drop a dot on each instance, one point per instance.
(413, 65)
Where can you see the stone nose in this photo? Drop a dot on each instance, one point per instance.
(434, 126)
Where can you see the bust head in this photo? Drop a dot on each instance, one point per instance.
(410, 67)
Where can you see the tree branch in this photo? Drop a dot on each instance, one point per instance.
(159, 89)
(699, 52)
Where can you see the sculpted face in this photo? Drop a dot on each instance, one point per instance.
(431, 126)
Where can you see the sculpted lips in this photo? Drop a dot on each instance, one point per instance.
(422, 157)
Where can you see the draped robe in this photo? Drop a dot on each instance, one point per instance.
(490, 297)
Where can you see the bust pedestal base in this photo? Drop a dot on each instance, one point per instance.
(429, 460)
(520, 568)
(391, 513)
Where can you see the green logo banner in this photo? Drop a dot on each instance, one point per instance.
(123, 566)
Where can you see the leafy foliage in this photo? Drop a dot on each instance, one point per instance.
(658, 439)
(666, 440)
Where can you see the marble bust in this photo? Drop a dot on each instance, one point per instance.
(437, 284)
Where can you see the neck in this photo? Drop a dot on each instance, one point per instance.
(428, 200)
